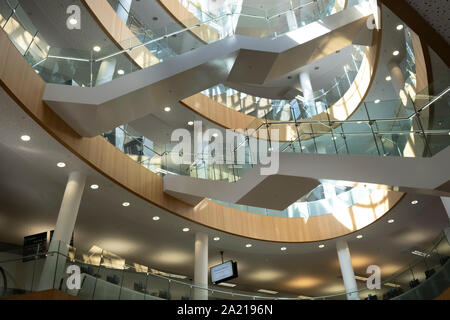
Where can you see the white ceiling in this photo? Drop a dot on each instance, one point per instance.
(436, 13)
(49, 17)
(32, 187)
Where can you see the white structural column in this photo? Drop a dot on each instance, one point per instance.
(308, 93)
(201, 266)
(65, 224)
(348, 275)
(446, 202)
(123, 9)
(106, 71)
(291, 19)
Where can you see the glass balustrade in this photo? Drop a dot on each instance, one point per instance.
(316, 202)
(147, 48)
(105, 276)
(263, 21)
(404, 132)
(87, 69)
(297, 108)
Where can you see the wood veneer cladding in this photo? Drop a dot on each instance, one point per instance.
(187, 19)
(119, 32)
(51, 294)
(26, 87)
(221, 114)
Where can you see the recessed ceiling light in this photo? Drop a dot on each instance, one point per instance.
(126, 204)
(25, 138)
(283, 248)
(267, 291)
(186, 229)
(155, 218)
(359, 236)
(420, 253)
(167, 109)
(73, 21)
(190, 123)
(396, 53)
(388, 78)
(61, 164)
(391, 221)
(226, 284)
(400, 27)
(94, 186)
(321, 246)
(216, 238)
(215, 135)
(377, 101)
(97, 49)
(120, 72)
(248, 245)
(414, 202)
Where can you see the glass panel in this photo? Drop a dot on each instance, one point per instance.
(157, 287)
(108, 284)
(133, 285)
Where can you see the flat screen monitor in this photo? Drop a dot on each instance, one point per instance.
(224, 272)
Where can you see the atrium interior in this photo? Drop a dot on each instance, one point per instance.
(224, 150)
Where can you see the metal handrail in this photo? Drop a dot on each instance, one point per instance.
(193, 285)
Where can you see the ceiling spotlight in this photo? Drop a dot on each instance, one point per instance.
(61, 164)
(25, 138)
(190, 123)
(216, 238)
(400, 27)
(97, 49)
(321, 246)
(248, 245)
(73, 21)
(283, 248)
(94, 186)
(377, 101)
(414, 202)
(391, 221)
(396, 53)
(359, 236)
(126, 204)
(186, 229)
(167, 109)
(388, 78)
(155, 218)
(120, 72)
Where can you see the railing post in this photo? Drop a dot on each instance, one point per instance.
(13, 10)
(31, 42)
(371, 128)
(421, 128)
